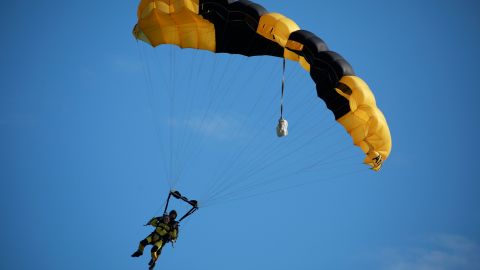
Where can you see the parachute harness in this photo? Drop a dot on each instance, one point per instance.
(179, 196)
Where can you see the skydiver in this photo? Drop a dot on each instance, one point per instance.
(166, 230)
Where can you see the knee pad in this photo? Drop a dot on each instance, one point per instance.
(154, 249)
(144, 242)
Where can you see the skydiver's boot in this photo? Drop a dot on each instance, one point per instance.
(154, 258)
(152, 264)
(137, 253)
(141, 246)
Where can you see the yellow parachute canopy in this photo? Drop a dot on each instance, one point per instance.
(246, 28)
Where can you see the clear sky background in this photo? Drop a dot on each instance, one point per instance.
(84, 156)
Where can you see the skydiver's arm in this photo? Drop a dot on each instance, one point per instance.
(174, 233)
(153, 222)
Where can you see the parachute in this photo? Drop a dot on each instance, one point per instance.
(246, 28)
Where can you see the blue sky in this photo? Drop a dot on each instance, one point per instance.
(85, 145)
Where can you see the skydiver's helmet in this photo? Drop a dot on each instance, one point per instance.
(172, 214)
(282, 127)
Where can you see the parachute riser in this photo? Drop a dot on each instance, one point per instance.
(191, 211)
(168, 200)
(177, 195)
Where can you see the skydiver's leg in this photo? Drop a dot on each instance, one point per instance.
(156, 250)
(141, 246)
